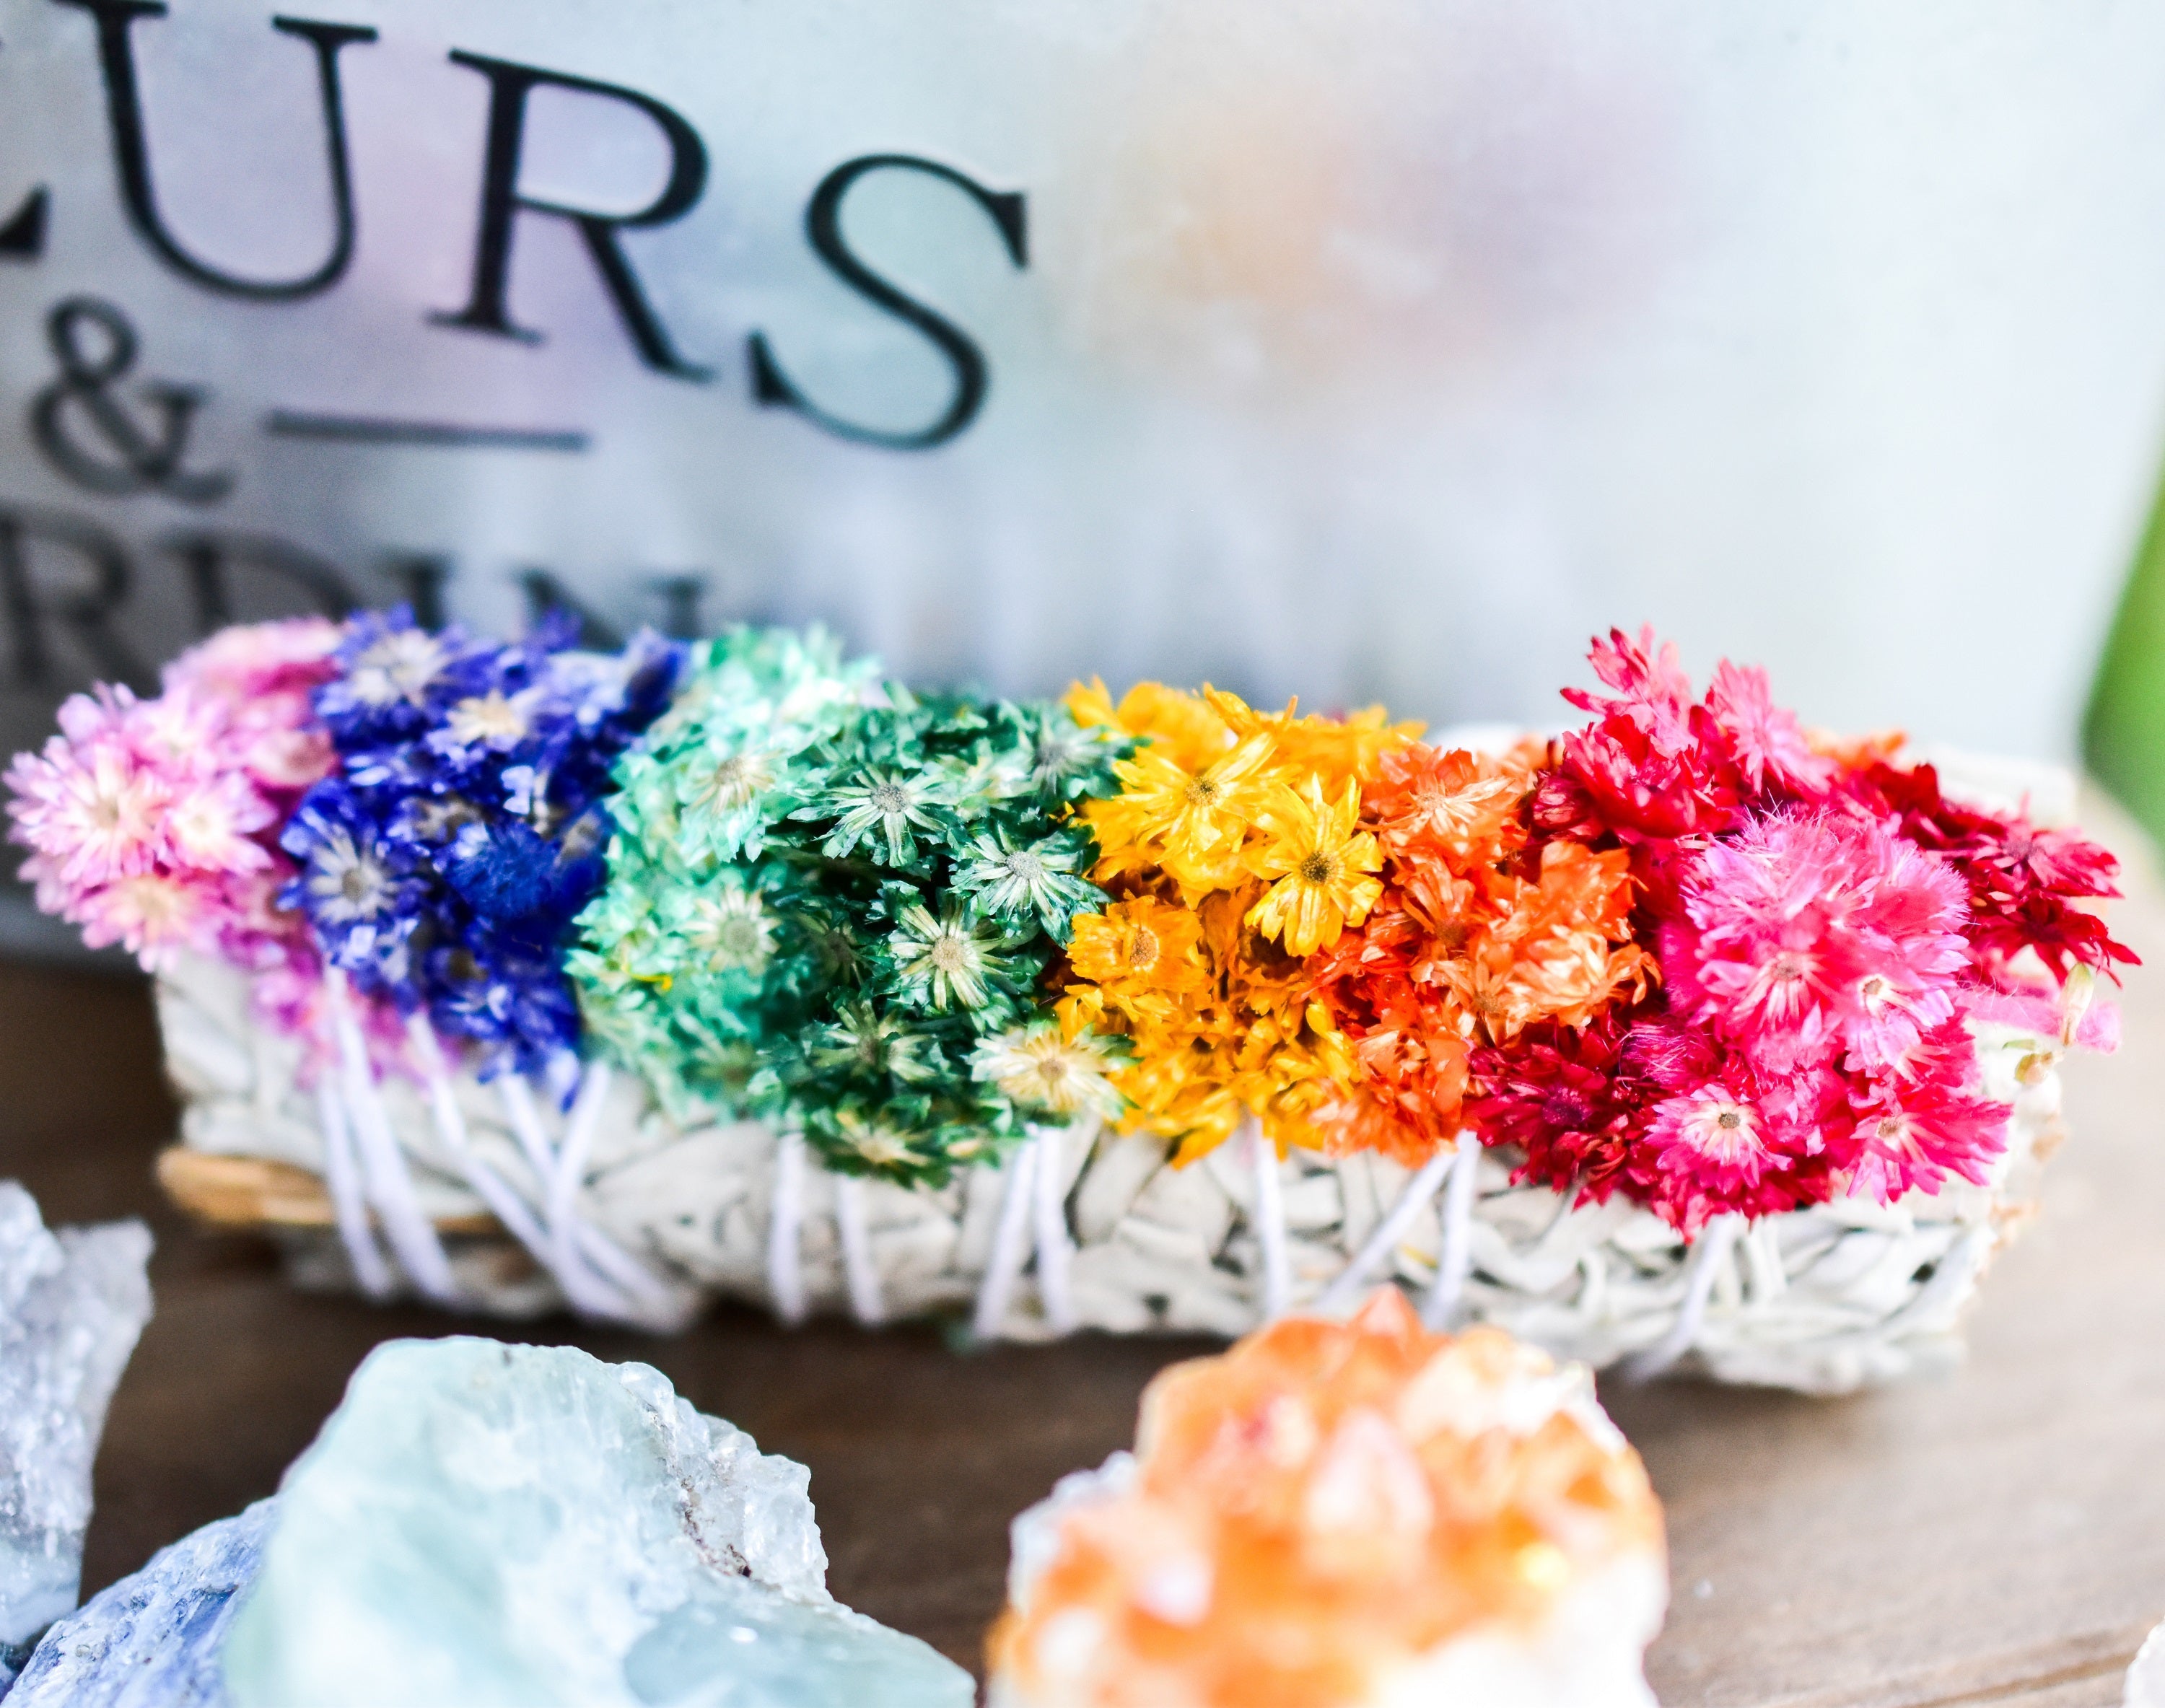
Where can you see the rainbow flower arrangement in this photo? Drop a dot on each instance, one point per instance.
(1686, 952)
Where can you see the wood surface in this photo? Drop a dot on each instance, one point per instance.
(1996, 1537)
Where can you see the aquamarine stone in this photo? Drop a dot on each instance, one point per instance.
(72, 1302)
(153, 1639)
(504, 1527)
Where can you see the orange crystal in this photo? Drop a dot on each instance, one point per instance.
(1321, 1505)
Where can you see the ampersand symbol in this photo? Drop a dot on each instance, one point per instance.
(92, 363)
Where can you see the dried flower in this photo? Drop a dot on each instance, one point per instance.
(1232, 852)
(444, 867)
(912, 870)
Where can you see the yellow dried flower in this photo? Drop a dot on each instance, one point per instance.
(1324, 867)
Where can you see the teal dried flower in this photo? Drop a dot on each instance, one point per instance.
(829, 902)
(880, 807)
(1048, 1075)
(1013, 883)
(952, 961)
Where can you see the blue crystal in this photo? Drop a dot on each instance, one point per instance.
(154, 1640)
(72, 1302)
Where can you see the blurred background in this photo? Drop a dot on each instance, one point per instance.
(1355, 349)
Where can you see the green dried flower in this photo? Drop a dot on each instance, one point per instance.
(834, 905)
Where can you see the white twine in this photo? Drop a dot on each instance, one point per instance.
(584, 1291)
(785, 1265)
(658, 1306)
(661, 1306)
(858, 1269)
(1388, 1231)
(1454, 1262)
(1709, 1253)
(1010, 1245)
(504, 1203)
(390, 1186)
(570, 1173)
(578, 1238)
(517, 1097)
(1270, 1223)
(1054, 1246)
(348, 1208)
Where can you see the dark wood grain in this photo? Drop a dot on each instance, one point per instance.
(1995, 1537)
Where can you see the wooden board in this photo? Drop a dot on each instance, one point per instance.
(1998, 1537)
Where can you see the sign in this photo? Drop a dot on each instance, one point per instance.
(1354, 348)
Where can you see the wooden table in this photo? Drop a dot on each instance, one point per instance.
(1998, 1537)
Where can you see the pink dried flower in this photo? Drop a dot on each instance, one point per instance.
(252, 659)
(1653, 764)
(152, 915)
(1915, 1127)
(1811, 935)
(264, 675)
(153, 823)
(1715, 1135)
(1721, 1137)
(88, 806)
(1764, 740)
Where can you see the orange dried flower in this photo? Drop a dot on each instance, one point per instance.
(1477, 934)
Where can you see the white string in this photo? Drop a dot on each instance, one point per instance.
(1054, 1249)
(1010, 1245)
(508, 1207)
(1709, 1253)
(658, 1306)
(583, 1291)
(347, 1205)
(785, 1264)
(390, 1187)
(866, 1303)
(1270, 1223)
(570, 1170)
(1454, 1262)
(518, 1099)
(1388, 1231)
(663, 1307)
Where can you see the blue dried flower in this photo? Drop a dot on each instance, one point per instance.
(443, 870)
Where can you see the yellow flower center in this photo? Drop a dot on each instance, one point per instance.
(1202, 792)
(1143, 949)
(488, 717)
(1728, 1121)
(737, 779)
(951, 955)
(1318, 868)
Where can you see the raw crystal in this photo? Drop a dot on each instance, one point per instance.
(508, 1526)
(153, 1639)
(1357, 1513)
(71, 1304)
